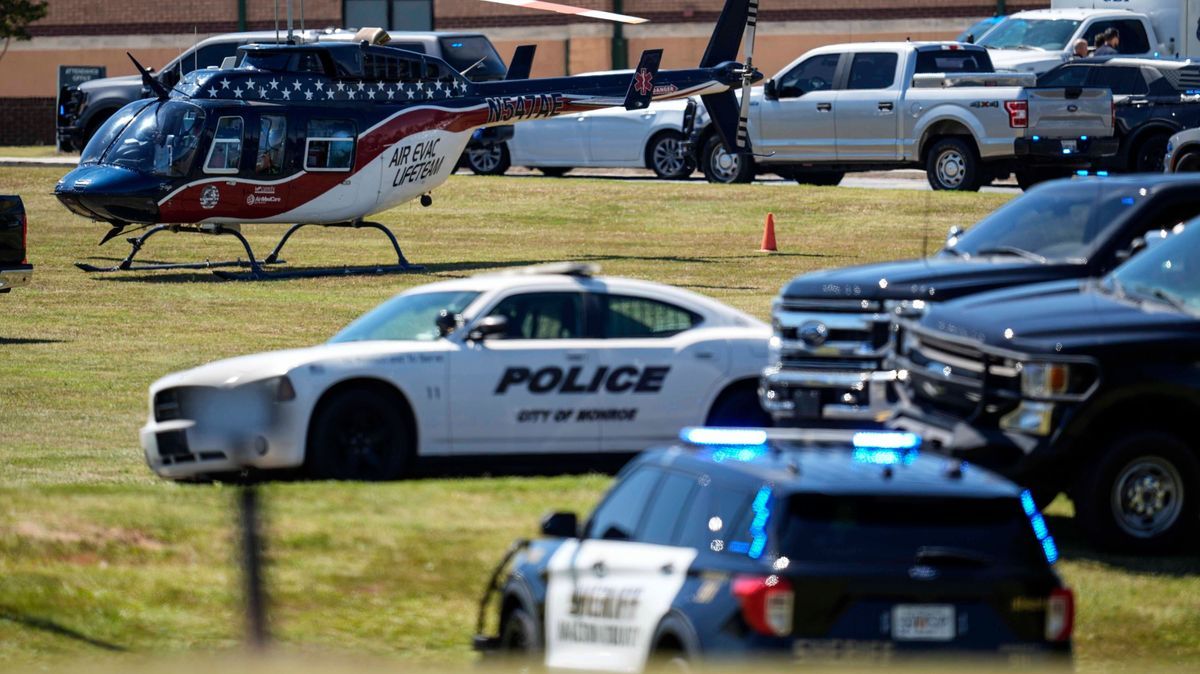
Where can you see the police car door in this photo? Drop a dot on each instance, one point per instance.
(519, 392)
(607, 592)
(661, 377)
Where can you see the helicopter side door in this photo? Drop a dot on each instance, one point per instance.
(271, 161)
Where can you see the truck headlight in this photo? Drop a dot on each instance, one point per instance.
(1056, 380)
(1036, 418)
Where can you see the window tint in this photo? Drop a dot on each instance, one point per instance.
(872, 71)
(225, 155)
(475, 53)
(813, 74)
(1067, 76)
(953, 61)
(542, 315)
(1132, 35)
(272, 135)
(1122, 81)
(672, 498)
(713, 520)
(330, 145)
(641, 317)
(617, 518)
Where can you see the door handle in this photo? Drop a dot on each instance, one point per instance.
(886, 106)
(598, 569)
(704, 355)
(824, 107)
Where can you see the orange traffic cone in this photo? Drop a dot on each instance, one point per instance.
(768, 241)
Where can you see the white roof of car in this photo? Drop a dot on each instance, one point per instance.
(1075, 14)
(1153, 63)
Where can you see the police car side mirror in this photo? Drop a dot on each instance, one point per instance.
(560, 525)
(488, 326)
(447, 322)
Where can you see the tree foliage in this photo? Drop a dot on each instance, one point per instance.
(16, 15)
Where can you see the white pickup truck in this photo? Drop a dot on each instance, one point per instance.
(886, 105)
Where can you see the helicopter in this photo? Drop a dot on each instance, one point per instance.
(328, 133)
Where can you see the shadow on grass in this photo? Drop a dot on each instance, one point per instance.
(1073, 546)
(54, 628)
(5, 341)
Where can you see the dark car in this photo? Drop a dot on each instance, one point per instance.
(1091, 388)
(797, 544)
(1152, 100)
(832, 327)
(15, 269)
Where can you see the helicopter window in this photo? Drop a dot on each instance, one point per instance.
(330, 145)
(272, 132)
(267, 60)
(390, 68)
(226, 152)
(163, 137)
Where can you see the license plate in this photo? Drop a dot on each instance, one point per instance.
(923, 622)
(1070, 145)
(807, 403)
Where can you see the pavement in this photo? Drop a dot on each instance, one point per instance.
(903, 179)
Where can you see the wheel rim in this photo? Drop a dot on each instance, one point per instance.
(725, 166)
(667, 159)
(1152, 155)
(951, 168)
(363, 443)
(485, 158)
(1147, 497)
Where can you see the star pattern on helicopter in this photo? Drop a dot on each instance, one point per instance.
(315, 89)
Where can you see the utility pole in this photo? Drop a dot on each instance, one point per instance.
(254, 593)
(1001, 10)
(620, 51)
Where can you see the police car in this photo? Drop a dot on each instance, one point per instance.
(546, 360)
(803, 544)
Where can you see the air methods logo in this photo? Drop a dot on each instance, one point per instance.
(643, 82)
(209, 197)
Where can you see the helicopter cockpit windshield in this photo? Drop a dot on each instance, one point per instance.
(161, 140)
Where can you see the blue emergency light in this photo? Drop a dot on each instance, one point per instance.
(1039, 527)
(724, 436)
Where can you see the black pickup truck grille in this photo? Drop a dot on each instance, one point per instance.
(958, 378)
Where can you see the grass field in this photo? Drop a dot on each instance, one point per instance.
(99, 560)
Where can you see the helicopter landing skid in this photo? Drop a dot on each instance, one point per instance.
(256, 270)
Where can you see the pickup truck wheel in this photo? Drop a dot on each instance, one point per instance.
(1150, 154)
(953, 166)
(720, 166)
(519, 635)
(488, 160)
(1140, 495)
(664, 156)
(359, 433)
(819, 178)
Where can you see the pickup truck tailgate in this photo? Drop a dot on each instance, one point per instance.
(1056, 112)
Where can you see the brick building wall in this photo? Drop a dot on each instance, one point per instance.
(27, 121)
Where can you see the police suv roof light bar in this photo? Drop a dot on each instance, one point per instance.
(707, 436)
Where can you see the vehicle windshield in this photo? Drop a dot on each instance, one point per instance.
(862, 529)
(162, 140)
(1059, 222)
(1168, 273)
(1049, 34)
(109, 131)
(463, 52)
(978, 30)
(406, 317)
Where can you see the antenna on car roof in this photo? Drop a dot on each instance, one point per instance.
(301, 16)
(276, 21)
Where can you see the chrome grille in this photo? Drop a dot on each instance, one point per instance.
(837, 335)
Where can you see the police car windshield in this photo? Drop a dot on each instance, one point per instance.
(1063, 222)
(1050, 34)
(162, 140)
(1168, 273)
(896, 529)
(406, 317)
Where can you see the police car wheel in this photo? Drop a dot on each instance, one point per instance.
(952, 165)
(359, 433)
(489, 160)
(1140, 495)
(520, 633)
(738, 407)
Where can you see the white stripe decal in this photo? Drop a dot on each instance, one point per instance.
(568, 9)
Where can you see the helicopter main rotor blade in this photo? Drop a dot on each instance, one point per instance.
(568, 9)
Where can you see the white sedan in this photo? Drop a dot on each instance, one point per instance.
(540, 361)
(608, 138)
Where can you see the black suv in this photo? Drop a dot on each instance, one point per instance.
(1090, 387)
(809, 544)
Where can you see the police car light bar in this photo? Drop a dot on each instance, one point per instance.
(1039, 527)
(698, 435)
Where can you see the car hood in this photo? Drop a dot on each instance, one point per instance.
(1024, 60)
(1062, 317)
(125, 81)
(233, 372)
(935, 278)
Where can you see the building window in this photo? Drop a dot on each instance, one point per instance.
(388, 14)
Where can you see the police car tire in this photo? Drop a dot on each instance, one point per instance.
(959, 152)
(359, 433)
(520, 633)
(1097, 493)
(1148, 157)
(738, 407)
(674, 643)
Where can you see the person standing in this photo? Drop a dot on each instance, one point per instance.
(1080, 49)
(1112, 40)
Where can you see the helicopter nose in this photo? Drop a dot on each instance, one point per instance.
(110, 193)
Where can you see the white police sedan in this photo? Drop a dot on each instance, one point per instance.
(545, 360)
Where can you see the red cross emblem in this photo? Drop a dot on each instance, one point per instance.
(643, 82)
